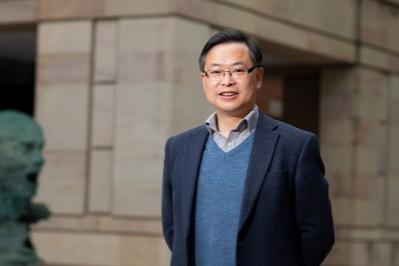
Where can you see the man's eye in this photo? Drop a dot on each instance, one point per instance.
(238, 71)
(215, 72)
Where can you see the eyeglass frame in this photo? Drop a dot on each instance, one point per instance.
(247, 71)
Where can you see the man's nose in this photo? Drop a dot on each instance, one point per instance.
(227, 78)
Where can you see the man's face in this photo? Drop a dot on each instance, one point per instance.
(231, 96)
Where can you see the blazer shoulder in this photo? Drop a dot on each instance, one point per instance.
(178, 138)
(288, 133)
(288, 129)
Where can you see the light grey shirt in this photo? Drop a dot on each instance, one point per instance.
(237, 135)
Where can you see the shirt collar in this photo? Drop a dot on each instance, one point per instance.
(249, 121)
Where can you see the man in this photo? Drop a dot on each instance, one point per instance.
(243, 189)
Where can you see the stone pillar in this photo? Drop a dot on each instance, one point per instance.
(355, 140)
(337, 118)
(158, 93)
(109, 94)
(62, 97)
(393, 149)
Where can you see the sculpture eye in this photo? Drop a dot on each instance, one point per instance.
(28, 147)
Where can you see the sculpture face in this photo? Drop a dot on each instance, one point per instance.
(21, 144)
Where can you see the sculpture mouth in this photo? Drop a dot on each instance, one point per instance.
(32, 177)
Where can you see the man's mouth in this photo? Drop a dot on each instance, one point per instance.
(228, 93)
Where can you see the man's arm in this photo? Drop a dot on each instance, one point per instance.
(167, 203)
(312, 205)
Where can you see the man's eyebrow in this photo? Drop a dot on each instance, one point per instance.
(238, 63)
(214, 64)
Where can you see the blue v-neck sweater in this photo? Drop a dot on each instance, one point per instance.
(219, 195)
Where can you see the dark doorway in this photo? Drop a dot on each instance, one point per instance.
(17, 68)
(292, 95)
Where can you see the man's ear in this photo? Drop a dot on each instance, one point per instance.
(259, 77)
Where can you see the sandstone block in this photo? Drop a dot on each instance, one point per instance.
(103, 111)
(157, 83)
(333, 17)
(384, 60)
(50, 9)
(62, 181)
(97, 249)
(62, 111)
(100, 182)
(72, 37)
(63, 69)
(379, 24)
(105, 51)
(137, 183)
(393, 200)
(18, 11)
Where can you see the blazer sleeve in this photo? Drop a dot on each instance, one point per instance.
(312, 204)
(167, 202)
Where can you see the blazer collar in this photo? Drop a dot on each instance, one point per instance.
(261, 155)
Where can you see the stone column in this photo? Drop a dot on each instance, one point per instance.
(158, 93)
(354, 143)
(392, 213)
(109, 94)
(62, 108)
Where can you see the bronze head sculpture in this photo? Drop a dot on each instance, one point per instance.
(21, 145)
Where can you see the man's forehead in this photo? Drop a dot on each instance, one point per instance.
(228, 54)
(229, 48)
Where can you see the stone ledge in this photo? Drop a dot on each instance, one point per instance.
(102, 224)
(214, 13)
(367, 233)
(22, 11)
(379, 59)
(67, 248)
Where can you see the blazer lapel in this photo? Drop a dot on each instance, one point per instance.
(261, 155)
(194, 146)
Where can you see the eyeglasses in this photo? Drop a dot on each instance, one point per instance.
(236, 73)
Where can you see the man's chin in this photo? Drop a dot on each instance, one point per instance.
(234, 111)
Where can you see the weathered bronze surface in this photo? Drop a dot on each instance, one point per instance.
(21, 145)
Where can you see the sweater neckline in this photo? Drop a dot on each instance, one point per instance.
(235, 149)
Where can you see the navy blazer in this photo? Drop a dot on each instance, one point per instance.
(286, 213)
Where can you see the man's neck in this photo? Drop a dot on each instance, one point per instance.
(227, 122)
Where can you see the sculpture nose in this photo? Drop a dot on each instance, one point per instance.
(39, 161)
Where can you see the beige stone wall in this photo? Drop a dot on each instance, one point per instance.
(100, 240)
(358, 133)
(357, 121)
(329, 17)
(324, 29)
(109, 93)
(18, 11)
(62, 107)
(378, 34)
(156, 66)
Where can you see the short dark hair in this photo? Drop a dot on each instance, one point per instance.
(231, 36)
